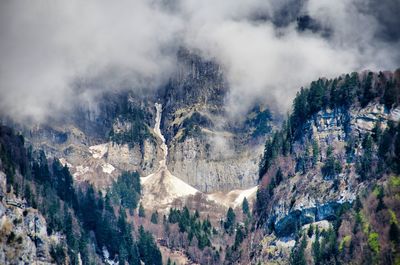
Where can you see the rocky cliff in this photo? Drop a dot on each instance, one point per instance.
(207, 150)
(329, 155)
(23, 231)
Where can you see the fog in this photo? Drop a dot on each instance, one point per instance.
(54, 53)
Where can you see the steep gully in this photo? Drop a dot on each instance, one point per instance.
(161, 188)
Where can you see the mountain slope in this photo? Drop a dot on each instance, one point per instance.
(338, 150)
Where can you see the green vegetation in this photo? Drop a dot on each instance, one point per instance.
(367, 234)
(373, 242)
(332, 167)
(126, 190)
(345, 241)
(245, 207)
(395, 181)
(339, 93)
(192, 225)
(85, 217)
(279, 144)
(154, 217)
(260, 123)
(297, 256)
(142, 212)
(148, 250)
(137, 131)
(230, 221)
(192, 125)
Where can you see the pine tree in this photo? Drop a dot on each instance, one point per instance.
(316, 248)
(148, 250)
(142, 212)
(154, 217)
(315, 152)
(230, 220)
(245, 206)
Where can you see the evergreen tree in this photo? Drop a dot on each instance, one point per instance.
(394, 233)
(390, 97)
(230, 220)
(278, 177)
(316, 248)
(331, 167)
(297, 256)
(63, 182)
(126, 190)
(238, 237)
(148, 250)
(245, 206)
(368, 94)
(154, 217)
(142, 212)
(315, 152)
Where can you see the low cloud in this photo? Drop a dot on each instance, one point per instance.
(55, 53)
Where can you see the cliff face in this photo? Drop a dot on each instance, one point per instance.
(23, 232)
(210, 170)
(99, 141)
(99, 156)
(321, 172)
(311, 197)
(206, 149)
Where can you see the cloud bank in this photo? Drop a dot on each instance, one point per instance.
(56, 52)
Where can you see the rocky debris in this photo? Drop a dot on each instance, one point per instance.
(161, 189)
(233, 198)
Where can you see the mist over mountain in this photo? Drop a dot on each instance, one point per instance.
(200, 132)
(74, 51)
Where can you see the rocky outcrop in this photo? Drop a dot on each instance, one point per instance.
(196, 161)
(309, 197)
(206, 150)
(99, 141)
(99, 163)
(297, 218)
(23, 232)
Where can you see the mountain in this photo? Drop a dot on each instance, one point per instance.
(328, 178)
(84, 168)
(100, 141)
(166, 175)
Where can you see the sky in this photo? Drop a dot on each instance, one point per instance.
(55, 53)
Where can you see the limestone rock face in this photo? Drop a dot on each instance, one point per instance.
(99, 163)
(193, 163)
(23, 233)
(309, 197)
(205, 149)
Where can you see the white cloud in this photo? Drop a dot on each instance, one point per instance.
(48, 47)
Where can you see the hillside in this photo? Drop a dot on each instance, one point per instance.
(328, 192)
(153, 184)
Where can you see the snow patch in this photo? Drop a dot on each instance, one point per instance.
(108, 168)
(107, 259)
(98, 151)
(64, 162)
